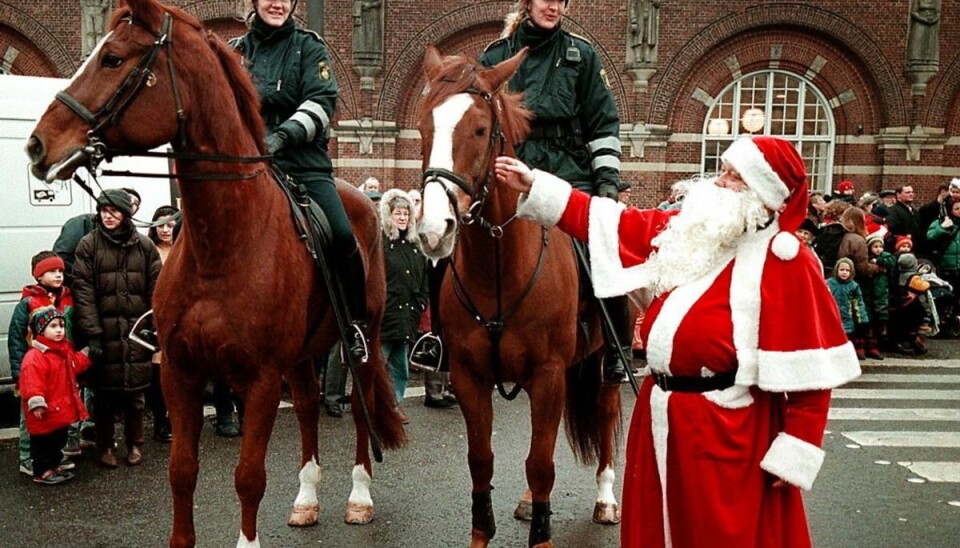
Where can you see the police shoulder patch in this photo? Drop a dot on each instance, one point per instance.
(605, 78)
(323, 70)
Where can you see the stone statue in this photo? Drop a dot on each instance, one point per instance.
(923, 39)
(368, 32)
(644, 33)
(94, 14)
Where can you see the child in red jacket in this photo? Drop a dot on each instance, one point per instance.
(49, 393)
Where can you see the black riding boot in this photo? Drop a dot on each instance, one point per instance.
(427, 353)
(353, 280)
(615, 370)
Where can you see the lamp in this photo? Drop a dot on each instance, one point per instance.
(753, 119)
(718, 126)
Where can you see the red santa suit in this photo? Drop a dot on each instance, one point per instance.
(701, 465)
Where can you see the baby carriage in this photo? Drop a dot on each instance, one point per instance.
(944, 301)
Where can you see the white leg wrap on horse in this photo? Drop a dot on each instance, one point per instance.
(605, 482)
(309, 480)
(361, 486)
(242, 542)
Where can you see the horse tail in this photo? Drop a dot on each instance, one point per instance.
(386, 421)
(592, 410)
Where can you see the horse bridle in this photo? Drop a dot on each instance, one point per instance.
(477, 192)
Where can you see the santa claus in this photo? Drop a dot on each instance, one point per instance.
(743, 344)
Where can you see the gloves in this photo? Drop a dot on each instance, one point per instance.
(96, 349)
(947, 223)
(609, 190)
(276, 141)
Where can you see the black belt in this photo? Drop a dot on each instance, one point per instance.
(552, 130)
(669, 383)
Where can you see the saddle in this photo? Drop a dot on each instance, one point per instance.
(309, 220)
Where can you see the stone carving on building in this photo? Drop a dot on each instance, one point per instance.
(642, 39)
(367, 40)
(923, 41)
(94, 14)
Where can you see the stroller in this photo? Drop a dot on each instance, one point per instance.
(941, 294)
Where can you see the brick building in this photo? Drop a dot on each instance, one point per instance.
(832, 75)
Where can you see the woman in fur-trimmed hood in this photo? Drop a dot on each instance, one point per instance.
(406, 270)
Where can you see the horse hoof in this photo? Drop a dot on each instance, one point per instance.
(478, 539)
(358, 514)
(524, 510)
(606, 513)
(304, 515)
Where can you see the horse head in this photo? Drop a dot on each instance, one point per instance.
(465, 121)
(128, 96)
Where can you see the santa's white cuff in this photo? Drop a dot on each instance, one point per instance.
(546, 201)
(793, 460)
(36, 402)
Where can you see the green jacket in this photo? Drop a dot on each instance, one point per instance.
(948, 240)
(298, 94)
(576, 132)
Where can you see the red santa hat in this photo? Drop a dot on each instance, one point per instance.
(845, 186)
(773, 168)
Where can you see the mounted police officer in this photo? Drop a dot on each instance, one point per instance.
(575, 134)
(298, 94)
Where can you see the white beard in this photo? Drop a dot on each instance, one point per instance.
(710, 224)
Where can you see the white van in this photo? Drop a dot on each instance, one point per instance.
(31, 211)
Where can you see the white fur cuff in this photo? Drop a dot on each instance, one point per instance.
(36, 402)
(546, 201)
(793, 460)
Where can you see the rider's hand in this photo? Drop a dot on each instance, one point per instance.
(276, 141)
(609, 190)
(513, 173)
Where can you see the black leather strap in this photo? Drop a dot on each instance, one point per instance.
(669, 383)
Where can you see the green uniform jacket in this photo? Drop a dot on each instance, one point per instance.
(947, 239)
(567, 89)
(298, 96)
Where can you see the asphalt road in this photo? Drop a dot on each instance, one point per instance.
(865, 496)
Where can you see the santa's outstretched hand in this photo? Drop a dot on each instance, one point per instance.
(513, 173)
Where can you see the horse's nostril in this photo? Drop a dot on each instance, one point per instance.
(35, 149)
(450, 225)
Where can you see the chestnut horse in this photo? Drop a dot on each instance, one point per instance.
(239, 297)
(509, 280)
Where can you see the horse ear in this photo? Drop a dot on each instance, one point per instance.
(501, 73)
(432, 62)
(144, 10)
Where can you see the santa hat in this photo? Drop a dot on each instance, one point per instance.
(845, 186)
(903, 241)
(773, 168)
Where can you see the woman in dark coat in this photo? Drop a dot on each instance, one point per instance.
(115, 272)
(406, 270)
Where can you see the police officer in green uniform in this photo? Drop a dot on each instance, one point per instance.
(575, 134)
(298, 96)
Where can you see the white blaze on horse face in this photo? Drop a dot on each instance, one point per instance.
(436, 206)
(90, 58)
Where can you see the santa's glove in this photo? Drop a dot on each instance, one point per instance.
(96, 349)
(947, 223)
(608, 190)
(276, 141)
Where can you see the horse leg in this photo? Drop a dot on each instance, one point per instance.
(260, 411)
(360, 502)
(306, 395)
(546, 410)
(606, 511)
(183, 393)
(477, 408)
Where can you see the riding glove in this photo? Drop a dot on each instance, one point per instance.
(608, 190)
(276, 141)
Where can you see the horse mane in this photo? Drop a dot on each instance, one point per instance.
(459, 74)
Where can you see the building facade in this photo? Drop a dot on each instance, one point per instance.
(869, 91)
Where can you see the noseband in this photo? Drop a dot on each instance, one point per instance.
(477, 192)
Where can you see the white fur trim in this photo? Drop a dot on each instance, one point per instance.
(815, 369)
(745, 301)
(785, 246)
(793, 460)
(734, 397)
(745, 156)
(610, 278)
(546, 201)
(660, 426)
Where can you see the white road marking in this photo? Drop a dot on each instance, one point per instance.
(905, 439)
(940, 472)
(893, 414)
(912, 379)
(894, 394)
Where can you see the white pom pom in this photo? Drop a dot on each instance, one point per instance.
(785, 246)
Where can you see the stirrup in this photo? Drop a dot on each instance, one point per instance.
(421, 346)
(358, 337)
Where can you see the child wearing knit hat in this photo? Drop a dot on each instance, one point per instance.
(849, 298)
(50, 397)
(47, 269)
(876, 295)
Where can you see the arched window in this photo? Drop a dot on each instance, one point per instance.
(773, 103)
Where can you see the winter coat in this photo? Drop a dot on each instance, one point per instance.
(49, 379)
(406, 270)
(66, 245)
(115, 274)
(876, 291)
(19, 336)
(854, 247)
(902, 221)
(298, 94)
(947, 239)
(576, 132)
(849, 300)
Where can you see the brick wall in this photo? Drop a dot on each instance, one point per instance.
(853, 52)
